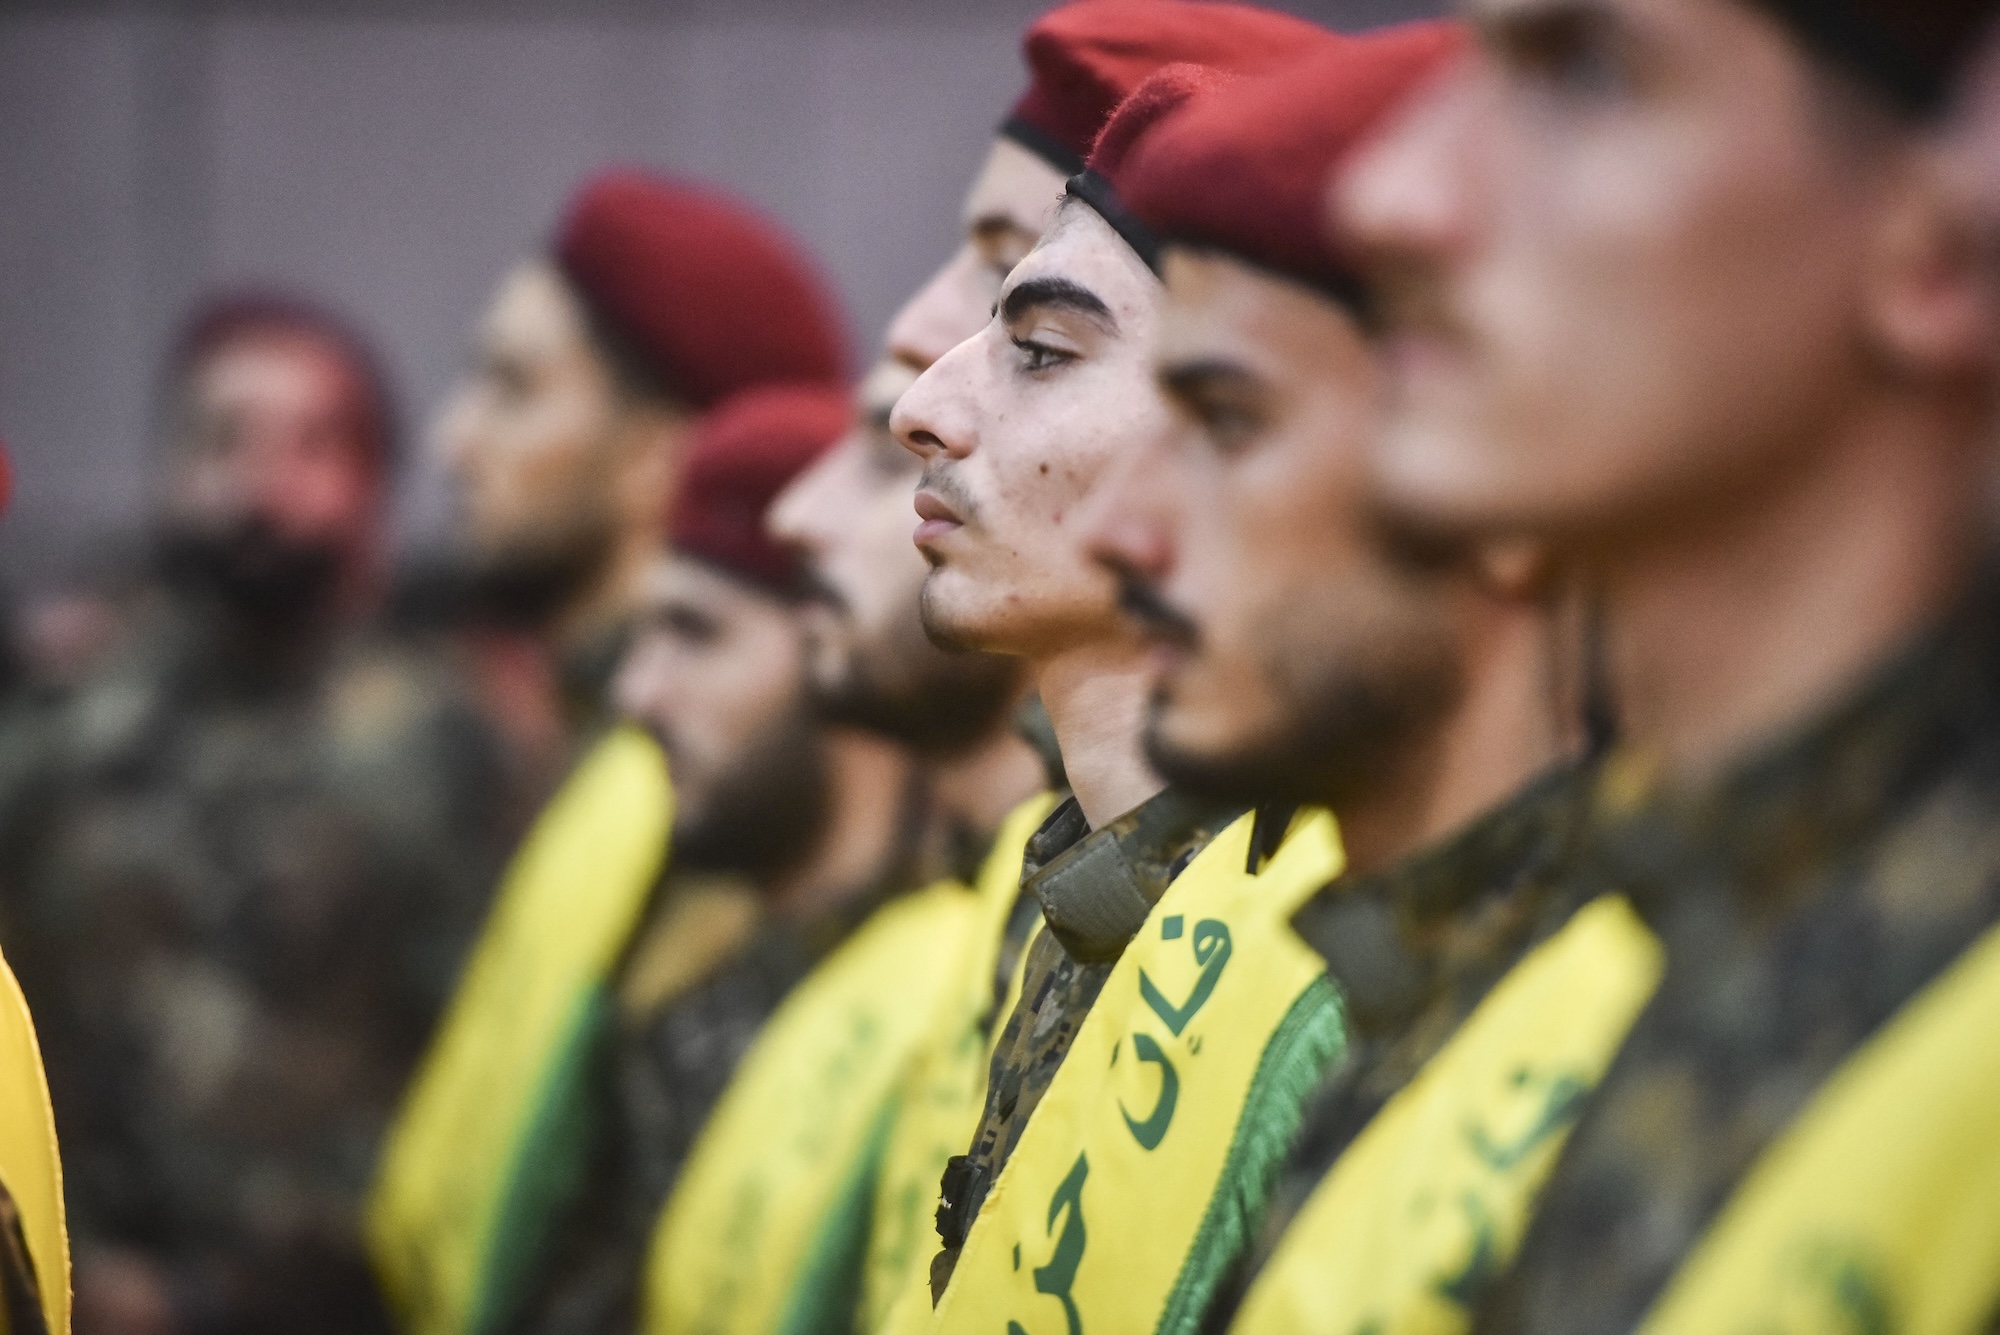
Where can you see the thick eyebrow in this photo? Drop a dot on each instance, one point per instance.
(1189, 379)
(1060, 293)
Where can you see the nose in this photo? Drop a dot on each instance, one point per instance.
(1405, 196)
(638, 689)
(945, 312)
(797, 518)
(1129, 523)
(936, 415)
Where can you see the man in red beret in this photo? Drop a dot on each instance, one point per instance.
(657, 301)
(1680, 290)
(1083, 60)
(1311, 653)
(255, 805)
(1015, 428)
(787, 832)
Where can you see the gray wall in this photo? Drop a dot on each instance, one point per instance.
(394, 158)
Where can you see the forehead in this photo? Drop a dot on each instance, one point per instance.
(263, 365)
(676, 579)
(1014, 188)
(534, 310)
(1084, 249)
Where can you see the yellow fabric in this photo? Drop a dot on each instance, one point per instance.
(1091, 1221)
(1879, 1209)
(792, 1147)
(445, 1192)
(1434, 1196)
(29, 1162)
(938, 1108)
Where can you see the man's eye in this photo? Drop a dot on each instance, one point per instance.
(1040, 356)
(1573, 58)
(1229, 425)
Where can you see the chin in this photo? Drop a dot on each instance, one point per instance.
(948, 622)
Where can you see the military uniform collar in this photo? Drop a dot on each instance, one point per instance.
(1770, 828)
(1096, 887)
(1389, 936)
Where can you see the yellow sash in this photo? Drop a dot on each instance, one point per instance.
(487, 1132)
(29, 1164)
(1136, 1181)
(1879, 1209)
(938, 1108)
(763, 1233)
(1431, 1200)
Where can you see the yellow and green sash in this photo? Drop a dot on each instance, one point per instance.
(30, 1166)
(488, 1138)
(1136, 1182)
(1879, 1209)
(938, 1109)
(763, 1234)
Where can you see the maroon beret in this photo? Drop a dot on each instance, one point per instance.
(714, 296)
(1244, 168)
(1101, 183)
(743, 454)
(1087, 57)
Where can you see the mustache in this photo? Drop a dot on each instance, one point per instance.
(814, 587)
(941, 481)
(1156, 617)
(1410, 298)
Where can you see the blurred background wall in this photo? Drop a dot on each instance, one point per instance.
(394, 157)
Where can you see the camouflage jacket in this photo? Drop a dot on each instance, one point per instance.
(236, 879)
(1413, 950)
(1094, 889)
(1801, 901)
(694, 992)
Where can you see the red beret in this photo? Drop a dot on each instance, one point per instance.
(1086, 58)
(1244, 169)
(714, 296)
(743, 454)
(6, 476)
(1101, 183)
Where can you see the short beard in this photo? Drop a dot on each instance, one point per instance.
(1346, 734)
(527, 586)
(938, 702)
(263, 579)
(764, 814)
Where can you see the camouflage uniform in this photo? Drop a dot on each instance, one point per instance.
(1802, 902)
(239, 873)
(669, 1056)
(1413, 950)
(1094, 890)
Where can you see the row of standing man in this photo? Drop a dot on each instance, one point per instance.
(1428, 768)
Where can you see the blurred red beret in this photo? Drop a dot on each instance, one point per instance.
(6, 476)
(1101, 183)
(1244, 168)
(1086, 58)
(743, 454)
(714, 296)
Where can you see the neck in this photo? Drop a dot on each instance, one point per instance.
(972, 792)
(1506, 727)
(1096, 699)
(1737, 624)
(868, 785)
(606, 603)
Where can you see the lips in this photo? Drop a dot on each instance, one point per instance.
(938, 519)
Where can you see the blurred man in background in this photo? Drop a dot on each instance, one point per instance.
(787, 832)
(657, 301)
(660, 300)
(1681, 290)
(244, 855)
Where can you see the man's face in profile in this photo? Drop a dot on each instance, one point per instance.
(1618, 251)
